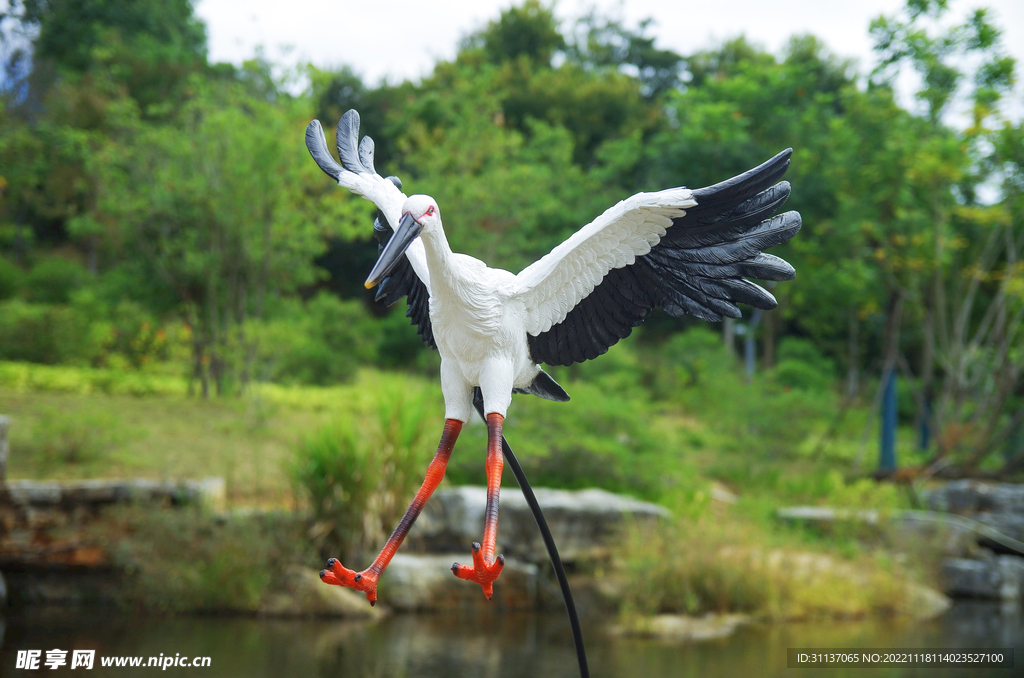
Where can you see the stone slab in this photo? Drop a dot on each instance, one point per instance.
(418, 582)
(584, 523)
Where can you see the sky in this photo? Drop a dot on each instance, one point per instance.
(401, 39)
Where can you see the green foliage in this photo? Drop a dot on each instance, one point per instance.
(322, 342)
(530, 132)
(11, 279)
(22, 377)
(326, 340)
(43, 333)
(764, 419)
(528, 31)
(150, 47)
(52, 280)
(600, 42)
(801, 365)
(359, 472)
(692, 359)
(935, 56)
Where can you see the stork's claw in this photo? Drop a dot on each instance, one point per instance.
(339, 575)
(481, 572)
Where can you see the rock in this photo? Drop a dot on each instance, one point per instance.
(303, 594)
(35, 493)
(678, 627)
(948, 535)
(425, 582)
(967, 497)
(997, 577)
(96, 587)
(1012, 570)
(583, 522)
(27, 494)
(925, 602)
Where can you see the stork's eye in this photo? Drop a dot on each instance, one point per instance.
(430, 211)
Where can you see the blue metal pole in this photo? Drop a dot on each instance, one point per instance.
(749, 346)
(924, 426)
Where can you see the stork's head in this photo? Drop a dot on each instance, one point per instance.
(419, 214)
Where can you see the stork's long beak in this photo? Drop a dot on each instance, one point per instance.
(408, 230)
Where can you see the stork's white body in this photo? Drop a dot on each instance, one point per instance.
(478, 329)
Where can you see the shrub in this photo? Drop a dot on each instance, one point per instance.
(692, 359)
(43, 333)
(52, 280)
(359, 472)
(761, 418)
(801, 365)
(321, 342)
(11, 279)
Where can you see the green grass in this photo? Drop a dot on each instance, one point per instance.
(164, 437)
(693, 422)
(64, 428)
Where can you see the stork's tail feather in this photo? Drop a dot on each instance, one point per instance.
(545, 387)
(316, 142)
(355, 156)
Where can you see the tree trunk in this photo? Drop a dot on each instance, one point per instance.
(852, 384)
(729, 334)
(93, 256)
(768, 359)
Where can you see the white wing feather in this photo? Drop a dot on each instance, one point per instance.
(553, 285)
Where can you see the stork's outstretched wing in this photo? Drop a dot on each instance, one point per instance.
(685, 251)
(410, 278)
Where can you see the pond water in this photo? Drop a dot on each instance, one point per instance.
(492, 645)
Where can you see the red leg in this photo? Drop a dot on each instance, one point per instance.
(366, 580)
(486, 567)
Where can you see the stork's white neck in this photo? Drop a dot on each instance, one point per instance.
(439, 254)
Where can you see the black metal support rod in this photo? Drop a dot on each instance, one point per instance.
(556, 562)
(549, 542)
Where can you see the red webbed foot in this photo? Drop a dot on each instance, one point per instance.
(339, 575)
(481, 572)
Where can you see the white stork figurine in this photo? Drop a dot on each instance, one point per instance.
(683, 250)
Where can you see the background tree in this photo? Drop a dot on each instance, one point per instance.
(962, 254)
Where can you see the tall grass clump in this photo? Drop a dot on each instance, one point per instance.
(711, 565)
(359, 471)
